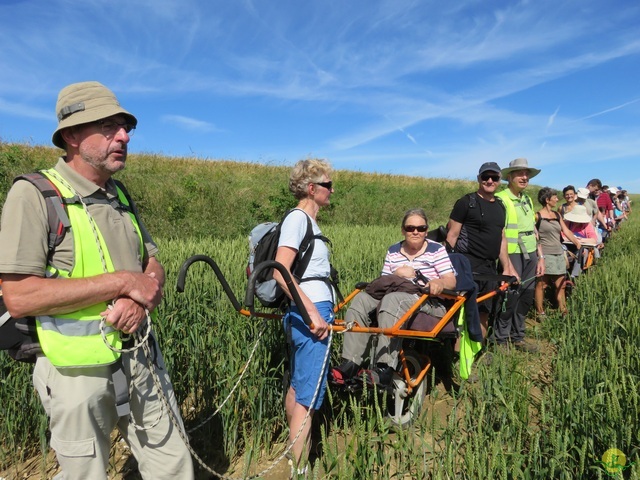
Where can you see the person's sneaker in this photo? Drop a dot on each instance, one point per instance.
(344, 372)
(381, 375)
(525, 347)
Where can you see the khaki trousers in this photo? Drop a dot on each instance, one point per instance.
(390, 309)
(80, 403)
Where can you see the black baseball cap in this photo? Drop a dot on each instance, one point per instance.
(489, 167)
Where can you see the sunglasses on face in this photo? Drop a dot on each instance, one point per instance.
(327, 185)
(413, 228)
(486, 176)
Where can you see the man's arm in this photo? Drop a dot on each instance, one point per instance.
(505, 261)
(453, 232)
(27, 295)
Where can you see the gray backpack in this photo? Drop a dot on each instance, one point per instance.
(263, 244)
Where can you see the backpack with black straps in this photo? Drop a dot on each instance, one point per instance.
(263, 244)
(18, 336)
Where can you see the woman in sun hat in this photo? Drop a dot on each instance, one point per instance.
(578, 221)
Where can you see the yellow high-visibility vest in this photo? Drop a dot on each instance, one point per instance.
(74, 339)
(511, 232)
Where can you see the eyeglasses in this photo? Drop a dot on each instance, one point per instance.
(486, 176)
(111, 128)
(413, 228)
(327, 185)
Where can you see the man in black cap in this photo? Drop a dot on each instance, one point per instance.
(476, 229)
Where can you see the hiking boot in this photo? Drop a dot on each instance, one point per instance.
(381, 375)
(523, 346)
(344, 372)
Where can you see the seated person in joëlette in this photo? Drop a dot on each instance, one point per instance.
(578, 221)
(416, 258)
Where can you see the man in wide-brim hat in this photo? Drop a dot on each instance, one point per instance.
(520, 164)
(523, 250)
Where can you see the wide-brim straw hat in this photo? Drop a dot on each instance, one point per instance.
(520, 164)
(578, 215)
(86, 102)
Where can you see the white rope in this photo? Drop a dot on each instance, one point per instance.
(142, 341)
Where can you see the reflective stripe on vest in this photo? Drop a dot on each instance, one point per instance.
(73, 338)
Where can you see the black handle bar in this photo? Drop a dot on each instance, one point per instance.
(250, 296)
(209, 261)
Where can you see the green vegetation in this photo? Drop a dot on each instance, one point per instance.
(547, 415)
(187, 198)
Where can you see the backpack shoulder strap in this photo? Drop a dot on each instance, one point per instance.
(125, 192)
(305, 252)
(473, 200)
(56, 213)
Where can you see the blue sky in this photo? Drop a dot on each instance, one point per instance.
(426, 88)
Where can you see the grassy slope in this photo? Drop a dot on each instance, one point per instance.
(184, 198)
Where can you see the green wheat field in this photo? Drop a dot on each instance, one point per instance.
(547, 415)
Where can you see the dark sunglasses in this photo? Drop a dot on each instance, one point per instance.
(413, 228)
(327, 185)
(486, 176)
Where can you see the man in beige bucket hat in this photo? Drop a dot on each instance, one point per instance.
(104, 267)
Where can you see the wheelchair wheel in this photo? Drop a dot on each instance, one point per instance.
(404, 408)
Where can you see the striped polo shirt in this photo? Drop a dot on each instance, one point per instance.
(433, 263)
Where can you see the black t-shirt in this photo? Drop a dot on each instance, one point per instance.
(482, 223)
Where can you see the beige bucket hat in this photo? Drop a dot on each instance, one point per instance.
(520, 164)
(578, 214)
(85, 102)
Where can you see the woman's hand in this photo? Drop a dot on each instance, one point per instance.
(405, 271)
(320, 327)
(436, 286)
(540, 267)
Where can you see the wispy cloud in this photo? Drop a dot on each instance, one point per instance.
(24, 110)
(609, 110)
(190, 123)
(552, 118)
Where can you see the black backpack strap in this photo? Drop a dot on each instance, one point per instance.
(305, 252)
(126, 194)
(57, 216)
(473, 201)
(304, 258)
